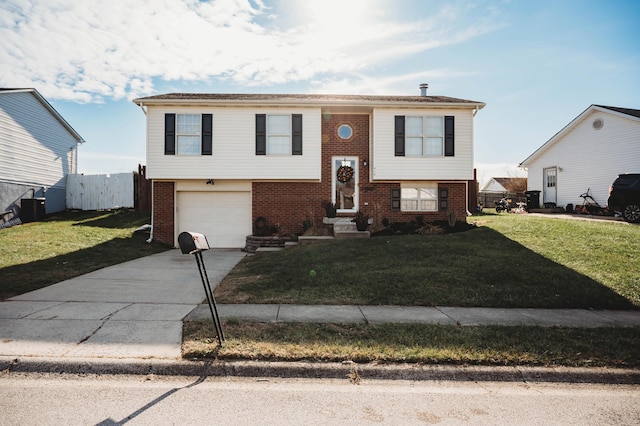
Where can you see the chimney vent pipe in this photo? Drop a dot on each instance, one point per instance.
(423, 89)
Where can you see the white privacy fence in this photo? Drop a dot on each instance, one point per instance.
(100, 192)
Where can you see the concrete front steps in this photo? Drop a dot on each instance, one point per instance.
(343, 227)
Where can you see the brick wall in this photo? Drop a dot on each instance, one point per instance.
(288, 204)
(163, 208)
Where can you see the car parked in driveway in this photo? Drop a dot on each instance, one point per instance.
(624, 196)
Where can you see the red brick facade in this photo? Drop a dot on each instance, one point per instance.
(163, 212)
(288, 204)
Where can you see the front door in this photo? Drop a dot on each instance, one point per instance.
(345, 184)
(550, 192)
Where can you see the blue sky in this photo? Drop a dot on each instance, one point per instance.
(537, 64)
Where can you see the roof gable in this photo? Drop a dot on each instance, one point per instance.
(48, 106)
(631, 114)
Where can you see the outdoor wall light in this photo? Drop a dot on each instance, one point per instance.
(364, 162)
(210, 182)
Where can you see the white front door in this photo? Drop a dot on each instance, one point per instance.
(550, 192)
(344, 184)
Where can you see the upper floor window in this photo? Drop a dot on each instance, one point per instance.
(278, 134)
(188, 134)
(424, 136)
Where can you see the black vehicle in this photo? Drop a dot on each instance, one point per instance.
(624, 196)
(504, 205)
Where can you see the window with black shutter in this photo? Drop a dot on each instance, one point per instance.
(207, 134)
(399, 136)
(169, 134)
(449, 136)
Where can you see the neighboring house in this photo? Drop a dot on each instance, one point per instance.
(218, 162)
(587, 154)
(505, 185)
(38, 149)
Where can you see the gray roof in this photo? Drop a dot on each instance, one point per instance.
(628, 111)
(305, 99)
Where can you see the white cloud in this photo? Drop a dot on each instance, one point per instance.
(91, 50)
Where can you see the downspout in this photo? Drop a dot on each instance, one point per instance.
(151, 231)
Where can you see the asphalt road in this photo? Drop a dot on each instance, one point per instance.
(52, 399)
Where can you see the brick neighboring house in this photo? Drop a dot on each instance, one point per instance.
(220, 161)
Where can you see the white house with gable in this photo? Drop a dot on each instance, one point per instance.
(38, 150)
(587, 154)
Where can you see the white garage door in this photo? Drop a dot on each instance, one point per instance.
(224, 217)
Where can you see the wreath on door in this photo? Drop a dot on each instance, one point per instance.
(345, 174)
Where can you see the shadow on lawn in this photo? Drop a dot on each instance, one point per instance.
(20, 279)
(479, 268)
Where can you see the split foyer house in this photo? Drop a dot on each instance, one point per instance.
(587, 154)
(220, 161)
(38, 150)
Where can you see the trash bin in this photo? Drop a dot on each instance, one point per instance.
(32, 209)
(533, 199)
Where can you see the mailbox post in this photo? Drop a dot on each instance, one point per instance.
(194, 243)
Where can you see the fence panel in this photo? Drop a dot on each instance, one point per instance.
(100, 192)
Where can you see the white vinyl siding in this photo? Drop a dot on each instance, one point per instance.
(386, 166)
(234, 139)
(589, 159)
(35, 148)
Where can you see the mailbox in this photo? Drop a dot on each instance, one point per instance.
(192, 242)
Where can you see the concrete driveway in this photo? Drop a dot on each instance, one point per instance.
(130, 310)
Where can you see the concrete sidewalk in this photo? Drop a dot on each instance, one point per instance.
(135, 310)
(131, 310)
(420, 314)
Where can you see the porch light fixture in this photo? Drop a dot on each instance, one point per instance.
(364, 162)
(210, 182)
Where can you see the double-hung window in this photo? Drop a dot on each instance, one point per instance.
(419, 199)
(188, 134)
(424, 136)
(278, 134)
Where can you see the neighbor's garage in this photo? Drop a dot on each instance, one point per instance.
(224, 217)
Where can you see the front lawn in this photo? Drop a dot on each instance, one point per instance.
(508, 261)
(65, 245)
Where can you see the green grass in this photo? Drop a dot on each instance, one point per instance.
(508, 261)
(433, 344)
(65, 245)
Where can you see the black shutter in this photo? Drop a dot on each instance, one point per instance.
(169, 134)
(399, 134)
(449, 136)
(261, 134)
(296, 134)
(207, 137)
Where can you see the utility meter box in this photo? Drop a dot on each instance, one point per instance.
(192, 242)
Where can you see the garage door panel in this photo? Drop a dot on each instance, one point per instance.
(224, 217)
